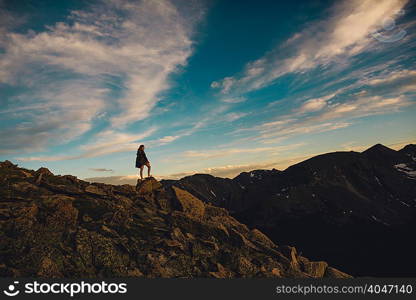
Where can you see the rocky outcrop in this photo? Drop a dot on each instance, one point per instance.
(60, 226)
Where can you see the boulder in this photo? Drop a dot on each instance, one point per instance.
(43, 171)
(316, 268)
(260, 237)
(188, 203)
(93, 189)
(147, 186)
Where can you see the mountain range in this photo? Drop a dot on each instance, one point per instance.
(348, 211)
(355, 210)
(54, 226)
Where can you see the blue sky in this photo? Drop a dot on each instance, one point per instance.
(215, 87)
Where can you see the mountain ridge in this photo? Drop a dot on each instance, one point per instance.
(60, 226)
(345, 196)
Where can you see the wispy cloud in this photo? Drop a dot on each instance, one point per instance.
(223, 152)
(134, 45)
(234, 100)
(106, 142)
(363, 106)
(211, 115)
(327, 113)
(395, 76)
(344, 34)
(230, 117)
(332, 117)
(115, 180)
(101, 170)
(315, 104)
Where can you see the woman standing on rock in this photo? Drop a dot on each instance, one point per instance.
(141, 161)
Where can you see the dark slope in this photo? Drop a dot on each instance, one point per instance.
(60, 226)
(354, 209)
(227, 193)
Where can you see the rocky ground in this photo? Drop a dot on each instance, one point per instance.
(60, 226)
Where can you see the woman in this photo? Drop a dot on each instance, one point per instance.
(141, 161)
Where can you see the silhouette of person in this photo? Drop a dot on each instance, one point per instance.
(141, 161)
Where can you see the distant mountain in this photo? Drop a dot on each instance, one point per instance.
(355, 209)
(60, 226)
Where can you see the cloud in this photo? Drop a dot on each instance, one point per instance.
(393, 77)
(346, 33)
(210, 116)
(114, 141)
(332, 117)
(315, 104)
(101, 170)
(106, 142)
(381, 94)
(62, 113)
(168, 139)
(234, 100)
(230, 117)
(223, 152)
(131, 45)
(399, 81)
(363, 106)
(115, 180)
(301, 128)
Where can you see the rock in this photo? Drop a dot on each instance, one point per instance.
(147, 186)
(188, 203)
(86, 218)
(38, 179)
(41, 173)
(65, 215)
(24, 187)
(214, 211)
(134, 273)
(7, 164)
(26, 174)
(334, 273)
(276, 272)
(222, 272)
(92, 189)
(291, 254)
(246, 267)
(44, 171)
(316, 269)
(72, 179)
(260, 237)
(240, 240)
(48, 269)
(174, 244)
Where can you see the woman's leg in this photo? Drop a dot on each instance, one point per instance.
(141, 172)
(148, 169)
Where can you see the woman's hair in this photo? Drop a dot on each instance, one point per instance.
(141, 147)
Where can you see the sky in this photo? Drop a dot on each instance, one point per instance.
(217, 87)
